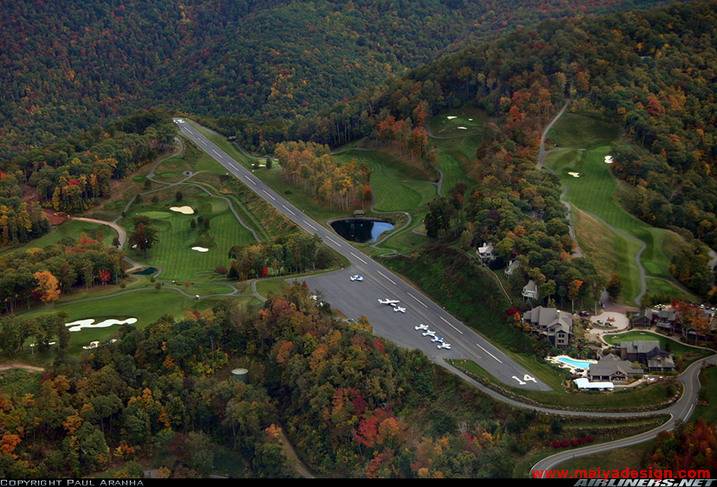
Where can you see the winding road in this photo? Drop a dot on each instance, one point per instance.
(356, 299)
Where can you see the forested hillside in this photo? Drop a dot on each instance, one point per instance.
(652, 72)
(67, 65)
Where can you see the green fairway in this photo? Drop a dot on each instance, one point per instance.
(173, 252)
(583, 142)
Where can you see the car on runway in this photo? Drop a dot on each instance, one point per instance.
(421, 327)
(444, 346)
(357, 277)
(399, 309)
(390, 302)
(429, 333)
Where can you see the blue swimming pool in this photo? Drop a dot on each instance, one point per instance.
(578, 364)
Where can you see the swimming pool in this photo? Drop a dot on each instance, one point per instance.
(575, 363)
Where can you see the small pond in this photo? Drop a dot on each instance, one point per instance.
(361, 229)
(147, 271)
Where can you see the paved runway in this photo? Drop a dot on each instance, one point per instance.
(356, 299)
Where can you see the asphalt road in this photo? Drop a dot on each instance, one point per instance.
(356, 299)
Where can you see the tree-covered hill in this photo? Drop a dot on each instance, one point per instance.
(67, 65)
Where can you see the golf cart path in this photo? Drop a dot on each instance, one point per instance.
(20, 366)
(543, 136)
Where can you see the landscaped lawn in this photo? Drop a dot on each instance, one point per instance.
(583, 142)
(70, 229)
(684, 354)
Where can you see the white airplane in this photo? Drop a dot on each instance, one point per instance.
(446, 346)
(179, 120)
(429, 333)
(388, 301)
(356, 277)
(437, 339)
(421, 327)
(399, 308)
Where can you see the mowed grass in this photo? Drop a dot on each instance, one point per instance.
(70, 229)
(632, 457)
(583, 141)
(684, 354)
(395, 185)
(456, 148)
(173, 252)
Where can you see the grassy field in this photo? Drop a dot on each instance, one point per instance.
(684, 354)
(707, 407)
(617, 459)
(69, 229)
(582, 142)
(173, 252)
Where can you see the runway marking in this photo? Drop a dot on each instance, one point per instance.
(288, 209)
(449, 324)
(387, 278)
(486, 351)
(217, 153)
(421, 302)
(250, 179)
(359, 258)
(269, 194)
(310, 225)
(690, 411)
(336, 243)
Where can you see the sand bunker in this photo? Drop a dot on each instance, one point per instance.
(451, 117)
(462, 128)
(574, 174)
(184, 210)
(470, 119)
(200, 249)
(92, 345)
(608, 160)
(90, 323)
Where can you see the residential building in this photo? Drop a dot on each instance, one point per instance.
(485, 252)
(648, 353)
(613, 369)
(512, 267)
(530, 290)
(555, 325)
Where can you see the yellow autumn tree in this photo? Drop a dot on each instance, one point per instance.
(48, 287)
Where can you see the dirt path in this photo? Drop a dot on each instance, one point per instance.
(293, 458)
(543, 136)
(20, 366)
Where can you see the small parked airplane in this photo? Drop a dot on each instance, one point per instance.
(421, 327)
(356, 277)
(446, 346)
(437, 339)
(429, 333)
(399, 308)
(388, 301)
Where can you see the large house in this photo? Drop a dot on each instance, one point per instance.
(611, 368)
(485, 252)
(666, 318)
(530, 290)
(555, 325)
(648, 353)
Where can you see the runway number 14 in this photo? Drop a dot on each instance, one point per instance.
(526, 378)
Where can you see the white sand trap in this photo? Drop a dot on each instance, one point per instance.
(608, 160)
(90, 323)
(200, 249)
(462, 128)
(470, 119)
(184, 210)
(92, 345)
(451, 117)
(574, 174)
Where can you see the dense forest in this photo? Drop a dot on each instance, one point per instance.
(351, 403)
(651, 71)
(70, 65)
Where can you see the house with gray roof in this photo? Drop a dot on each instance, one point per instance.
(553, 324)
(612, 369)
(647, 352)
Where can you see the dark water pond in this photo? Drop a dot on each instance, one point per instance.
(360, 229)
(147, 271)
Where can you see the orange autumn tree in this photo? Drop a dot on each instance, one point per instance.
(48, 287)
